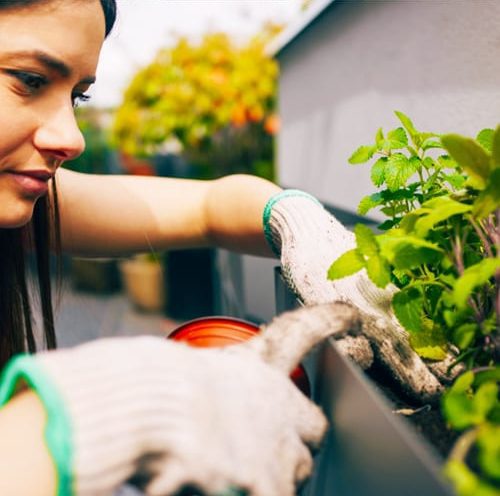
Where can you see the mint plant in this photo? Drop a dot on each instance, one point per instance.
(440, 245)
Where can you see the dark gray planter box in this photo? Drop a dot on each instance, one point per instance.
(368, 451)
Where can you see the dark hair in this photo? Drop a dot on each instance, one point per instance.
(108, 7)
(31, 243)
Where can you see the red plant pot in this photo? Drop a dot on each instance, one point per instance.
(209, 332)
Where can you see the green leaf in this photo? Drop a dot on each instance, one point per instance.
(408, 306)
(347, 264)
(455, 180)
(489, 450)
(464, 335)
(432, 142)
(378, 271)
(437, 210)
(429, 344)
(495, 148)
(378, 171)
(377, 268)
(388, 224)
(494, 415)
(396, 139)
(474, 276)
(401, 194)
(462, 383)
(466, 483)
(430, 164)
(362, 154)
(492, 374)
(408, 125)
(398, 170)
(408, 252)
(396, 209)
(379, 138)
(408, 255)
(410, 219)
(369, 202)
(485, 139)
(432, 183)
(416, 163)
(447, 162)
(485, 398)
(469, 155)
(402, 279)
(489, 199)
(460, 411)
(365, 240)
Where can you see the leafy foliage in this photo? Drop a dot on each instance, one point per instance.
(215, 101)
(441, 246)
(471, 405)
(94, 158)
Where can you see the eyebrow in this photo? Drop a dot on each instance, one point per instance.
(50, 62)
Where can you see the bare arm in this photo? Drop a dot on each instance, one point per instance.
(25, 464)
(117, 215)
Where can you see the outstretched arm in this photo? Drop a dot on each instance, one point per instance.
(26, 466)
(148, 414)
(117, 215)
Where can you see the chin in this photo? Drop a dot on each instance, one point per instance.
(12, 219)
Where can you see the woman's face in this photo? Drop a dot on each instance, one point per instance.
(48, 59)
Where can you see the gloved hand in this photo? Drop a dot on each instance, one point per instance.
(308, 239)
(168, 415)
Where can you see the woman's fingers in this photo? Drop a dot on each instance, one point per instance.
(288, 337)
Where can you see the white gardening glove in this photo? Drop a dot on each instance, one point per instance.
(308, 239)
(168, 415)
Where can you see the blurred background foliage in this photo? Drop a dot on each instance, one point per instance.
(306, 4)
(210, 103)
(95, 159)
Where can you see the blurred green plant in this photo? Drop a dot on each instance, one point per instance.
(471, 405)
(305, 4)
(94, 159)
(214, 101)
(441, 247)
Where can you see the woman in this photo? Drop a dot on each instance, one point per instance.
(85, 420)
(148, 410)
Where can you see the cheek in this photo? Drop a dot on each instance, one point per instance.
(16, 128)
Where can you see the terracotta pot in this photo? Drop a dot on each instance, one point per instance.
(208, 332)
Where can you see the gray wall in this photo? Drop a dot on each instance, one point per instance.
(245, 286)
(436, 60)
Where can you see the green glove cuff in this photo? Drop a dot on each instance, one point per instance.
(266, 216)
(58, 428)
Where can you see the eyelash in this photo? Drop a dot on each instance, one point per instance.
(34, 82)
(31, 81)
(78, 98)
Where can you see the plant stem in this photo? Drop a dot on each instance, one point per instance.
(481, 236)
(422, 183)
(456, 247)
(463, 444)
(496, 239)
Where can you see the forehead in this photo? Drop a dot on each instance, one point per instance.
(69, 30)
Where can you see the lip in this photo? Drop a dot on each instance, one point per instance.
(32, 182)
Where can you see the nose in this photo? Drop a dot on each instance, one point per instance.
(58, 135)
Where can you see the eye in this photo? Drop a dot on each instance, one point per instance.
(31, 81)
(78, 98)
